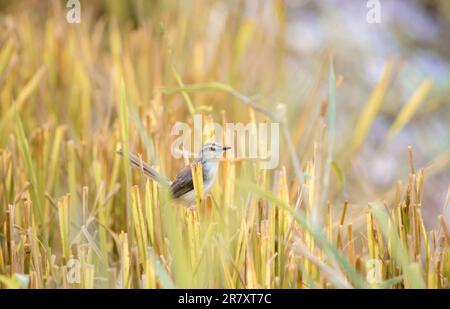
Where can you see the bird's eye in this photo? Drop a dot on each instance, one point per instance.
(212, 148)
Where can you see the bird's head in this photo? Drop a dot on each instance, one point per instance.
(212, 151)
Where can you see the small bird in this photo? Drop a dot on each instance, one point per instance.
(182, 187)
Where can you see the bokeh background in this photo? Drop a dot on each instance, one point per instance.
(73, 85)
(278, 56)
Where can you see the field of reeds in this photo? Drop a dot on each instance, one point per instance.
(74, 214)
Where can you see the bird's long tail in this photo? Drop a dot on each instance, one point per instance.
(138, 163)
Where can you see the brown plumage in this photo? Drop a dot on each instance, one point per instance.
(182, 187)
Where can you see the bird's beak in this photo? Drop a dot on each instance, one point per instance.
(225, 148)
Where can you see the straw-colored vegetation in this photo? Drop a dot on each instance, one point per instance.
(71, 95)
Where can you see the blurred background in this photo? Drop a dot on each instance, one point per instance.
(274, 51)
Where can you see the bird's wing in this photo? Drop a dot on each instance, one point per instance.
(138, 163)
(182, 183)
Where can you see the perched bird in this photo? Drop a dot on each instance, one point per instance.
(182, 187)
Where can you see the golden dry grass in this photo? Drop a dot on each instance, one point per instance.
(72, 95)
